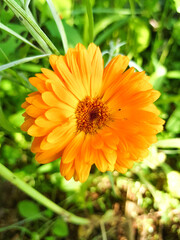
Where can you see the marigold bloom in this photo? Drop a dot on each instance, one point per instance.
(90, 115)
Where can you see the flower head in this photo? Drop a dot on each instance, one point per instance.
(88, 114)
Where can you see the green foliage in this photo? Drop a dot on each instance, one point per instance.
(28, 208)
(60, 228)
(146, 31)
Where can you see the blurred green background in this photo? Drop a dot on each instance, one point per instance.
(144, 203)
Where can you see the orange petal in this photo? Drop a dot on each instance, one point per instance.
(52, 59)
(67, 170)
(82, 169)
(36, 100)
(64, 94)
(47, 156)
(120, 168)
(51, 100)
(80, 66)
(74, 85)
(100, 161)
(34, 111)
(73, 148)
(57, 134)
(27, 124)
(35, 147)
(38, 83)
(57, 114)
(43, 122)
(37, 131)
(25, 105)
(115, 68)
(97, 66)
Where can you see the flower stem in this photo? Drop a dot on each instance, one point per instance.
(91, 20)
(69, 217)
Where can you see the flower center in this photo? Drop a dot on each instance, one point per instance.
(91, 114)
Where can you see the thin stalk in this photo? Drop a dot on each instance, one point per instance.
(151, 188)
(132, 7)
(166, 168)
(59, 25)
(165, 51)
(111, 179)
(30, 191)
(90, 19)
(103, 231)
(5, 56)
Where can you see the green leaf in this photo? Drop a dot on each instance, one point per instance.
(6, 15)
(60, 228)
(28, 208)
(9, 44)
(71, 31)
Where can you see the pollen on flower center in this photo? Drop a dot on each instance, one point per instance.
(91, 114)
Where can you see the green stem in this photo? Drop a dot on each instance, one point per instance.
(111, 178)
(32, 26)
(166, 168)
(165, 51)
(143, 179)
(103, 231)
(132, 7)
(59, 24)
(8, 175)
(91, 20)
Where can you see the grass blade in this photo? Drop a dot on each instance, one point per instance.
(59, 24)
(27, 2)
(32, 27)
(5, 28)
(24, 60)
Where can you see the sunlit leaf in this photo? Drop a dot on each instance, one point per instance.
(28, 208)
(60, 228)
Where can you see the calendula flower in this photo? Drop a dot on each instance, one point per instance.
(87, 114)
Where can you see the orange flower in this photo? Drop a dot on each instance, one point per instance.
(90, 115)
